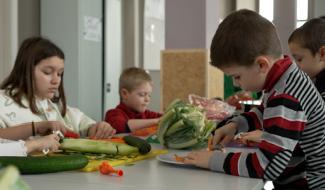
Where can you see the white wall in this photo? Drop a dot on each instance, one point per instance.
(113, 53)
(8, 35)
(285, 20)
(64, 22)
(319, 8)
(28, 19)
(246, 4)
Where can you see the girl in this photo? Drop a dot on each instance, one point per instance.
(34, 92)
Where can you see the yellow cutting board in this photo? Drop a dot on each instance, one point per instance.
(94, 164)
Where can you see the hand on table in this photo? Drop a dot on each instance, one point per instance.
(50, 142)
(199, 158)
(101, 130)
(224, 134)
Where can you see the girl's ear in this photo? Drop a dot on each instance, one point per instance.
(322, 53)
(263, 63)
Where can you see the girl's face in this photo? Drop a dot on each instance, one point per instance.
(47, 77)
(139, 98)
(310, 64)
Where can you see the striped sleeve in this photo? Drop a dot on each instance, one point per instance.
(323, 95)
(283, 124)
(249, 121)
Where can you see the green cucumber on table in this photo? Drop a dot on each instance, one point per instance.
(97, 146)
(45, 164)
(143, 146)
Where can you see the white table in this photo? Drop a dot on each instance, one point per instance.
(147, 174)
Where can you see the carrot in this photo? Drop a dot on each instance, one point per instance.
(113, 139)
(145, 131)
(179, 158)
(210, 144)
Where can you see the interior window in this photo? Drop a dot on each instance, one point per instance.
(266, 9)
(302, 12)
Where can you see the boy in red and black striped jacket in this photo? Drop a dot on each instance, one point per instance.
(135, 88)
(292, 115)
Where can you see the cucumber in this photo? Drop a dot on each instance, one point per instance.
(143, 146)
(45, 164)
(97, 146)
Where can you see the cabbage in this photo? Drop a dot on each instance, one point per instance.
(184, 126)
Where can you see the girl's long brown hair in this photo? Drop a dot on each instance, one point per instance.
(20, 82)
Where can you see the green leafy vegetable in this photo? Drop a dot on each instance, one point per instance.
(184, 125)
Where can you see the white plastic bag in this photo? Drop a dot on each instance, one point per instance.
(214, 109)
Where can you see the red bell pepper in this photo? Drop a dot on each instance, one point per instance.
(70, 134)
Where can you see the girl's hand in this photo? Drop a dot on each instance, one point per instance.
(224, 134)
(50, 141)
(101, 130)
(47, 127)
(199, 158)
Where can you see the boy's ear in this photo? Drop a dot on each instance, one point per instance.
(322, 53)
(124, 93)
(263, 63)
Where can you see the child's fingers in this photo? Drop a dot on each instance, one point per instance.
(189, 161)
(56, 145)
(109, 131)
(226, 140)
(56, 137)
(217, 138)
(191, 155)
(99, 132)
(254, 136)
(112, 132)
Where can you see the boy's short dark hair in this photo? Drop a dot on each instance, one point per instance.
(311, 35)
(241, 37)
(132, 77)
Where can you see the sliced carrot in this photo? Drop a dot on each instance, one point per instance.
(113, 139)
(179, 158)
(116, 139)
(210, 145)
(145, 131)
